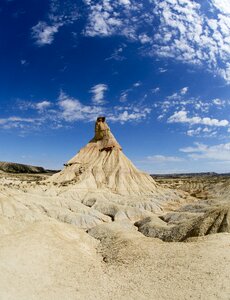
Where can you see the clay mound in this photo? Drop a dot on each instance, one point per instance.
(221, 191)
(92, 168)
(105, 179)
(10, 167)
(215, 220)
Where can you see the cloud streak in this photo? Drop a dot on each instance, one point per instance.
(181, 117)
(43, 34)
(66, 111)
(98, 92)
(72, 110)
(220, 152)
(61, 13)
(164, 159)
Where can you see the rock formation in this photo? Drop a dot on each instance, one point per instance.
(97, 167)
(20, 168)
(215, 220)
(100, 172)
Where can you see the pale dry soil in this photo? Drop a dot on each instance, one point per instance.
(54, 248)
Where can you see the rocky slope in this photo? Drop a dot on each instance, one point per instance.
(10, 167)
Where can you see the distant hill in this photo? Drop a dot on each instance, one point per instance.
(10, 167)
(187, 174)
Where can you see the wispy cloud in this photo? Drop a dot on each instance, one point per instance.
(182, 117)
(135, 115)
(117, 54)
(184, 30)
(43, 105)
(179, 95)
(207, 132)
(72, 109)
(164, 159)
(66, 111)
(162, 70)
(117, 17)
(125, 93)
(124, 96)
(189, 35)
(98, 92)
(15, 122)
(200, 117)
(43, 34)
(23, 62)
(184, 90)
(137, 84)
(220, 152)
(155, 90)
(61, 13)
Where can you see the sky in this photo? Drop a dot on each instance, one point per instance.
(158, 70)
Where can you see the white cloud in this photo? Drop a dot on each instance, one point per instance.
(17, 122)
(164, 159)
(60, 13)
(184, 90)
(155, 90)
(73, 110)
(180, 102)
(205, 132)
(117, 54)
(98, 92)
(222, 5)
(137, 84)
(123, 97)
(116, 17)
(43, 105)
(17, 119)
(23, 62)
(194, 132)
(186, 32)
(68, 110)
(101, 22)
(44, 34)
(201, 151)
(126, 116)
(144, 38)
(188, 35)
(218, 101)
(174, 96)
(162, 70)
(125, 2)
(181, 117)
(178, 95)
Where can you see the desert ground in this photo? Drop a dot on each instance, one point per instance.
(64, 239)
(54, 247)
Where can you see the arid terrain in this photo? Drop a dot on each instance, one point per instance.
(53, 247)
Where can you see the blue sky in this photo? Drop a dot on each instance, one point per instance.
(159, 71)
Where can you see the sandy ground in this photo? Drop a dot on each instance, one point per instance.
(48, 256)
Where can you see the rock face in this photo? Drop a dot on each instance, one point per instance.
(92, 168)
(101, 178)
(215, 220)
(10, 167)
